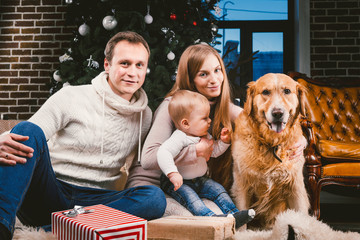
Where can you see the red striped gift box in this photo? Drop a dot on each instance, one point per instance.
(103, 223)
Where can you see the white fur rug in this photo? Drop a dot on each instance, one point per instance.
(305, 227)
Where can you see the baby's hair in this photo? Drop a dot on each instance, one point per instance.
(183, 103)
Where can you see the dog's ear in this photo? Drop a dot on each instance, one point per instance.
(249, 98)
(301, 90)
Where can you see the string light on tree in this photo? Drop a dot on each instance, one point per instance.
(84, 29)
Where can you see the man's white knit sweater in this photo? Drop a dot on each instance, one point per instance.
(91, 130)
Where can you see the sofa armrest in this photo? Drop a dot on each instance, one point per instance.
(311, 157)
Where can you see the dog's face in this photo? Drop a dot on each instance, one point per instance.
(275, 100)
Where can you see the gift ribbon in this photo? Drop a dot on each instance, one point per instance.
(76, 211)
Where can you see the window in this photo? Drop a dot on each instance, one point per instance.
(257, 38)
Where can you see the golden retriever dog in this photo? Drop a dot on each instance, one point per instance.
(264, 177)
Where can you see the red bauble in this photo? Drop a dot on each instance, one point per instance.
(173, 16)
(194, 23)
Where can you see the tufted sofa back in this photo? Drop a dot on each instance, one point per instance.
(334, 111)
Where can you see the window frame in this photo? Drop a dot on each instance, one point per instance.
(248, 27)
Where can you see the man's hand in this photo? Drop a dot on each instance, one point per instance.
(225, 135)
(204, 148)
(176, 179)
(12, 151)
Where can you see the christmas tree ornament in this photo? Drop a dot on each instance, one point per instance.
(68, 1)
(148, 71)
(109, 22)
(148, 18)
(56, 76)
(92, 63)
(173, 40)
(65, 57)
(194, 23)
(66, 84)
(173, 16)
(164, 29)
(217, 10)
(214, 28)
(171, 56)
(84, 29)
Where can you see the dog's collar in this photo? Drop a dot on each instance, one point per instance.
(275, 155)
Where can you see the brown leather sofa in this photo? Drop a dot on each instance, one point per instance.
(333, 131)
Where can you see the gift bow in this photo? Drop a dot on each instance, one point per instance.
(76, 211)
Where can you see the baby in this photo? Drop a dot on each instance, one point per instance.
(187, 184)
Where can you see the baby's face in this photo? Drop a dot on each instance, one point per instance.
(199, 121)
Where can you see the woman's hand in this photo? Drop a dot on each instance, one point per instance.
(176, 179)
(12, 151)
(204, 148)
(298, 149)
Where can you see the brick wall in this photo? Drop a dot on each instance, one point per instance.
(32, 36)
(335, 38)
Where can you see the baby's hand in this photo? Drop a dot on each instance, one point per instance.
(225, 135)
(176, 179)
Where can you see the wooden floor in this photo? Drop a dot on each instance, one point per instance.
(343, 216)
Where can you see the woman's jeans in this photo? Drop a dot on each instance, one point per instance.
(32, 191)
(190, 193)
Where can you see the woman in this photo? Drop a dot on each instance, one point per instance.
(202, 70)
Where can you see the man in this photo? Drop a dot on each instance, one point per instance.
(71, 150)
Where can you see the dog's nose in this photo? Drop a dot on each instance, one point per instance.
(277, 113)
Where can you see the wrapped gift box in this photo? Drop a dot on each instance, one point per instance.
(197, 228)
(102, 223)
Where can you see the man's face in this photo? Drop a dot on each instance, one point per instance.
(127, 69)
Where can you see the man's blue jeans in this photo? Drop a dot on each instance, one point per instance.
(190, 193)
(33, 192)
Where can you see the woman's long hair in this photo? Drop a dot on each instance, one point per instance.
(190, 63)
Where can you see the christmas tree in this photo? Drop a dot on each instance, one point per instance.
(169, 26)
